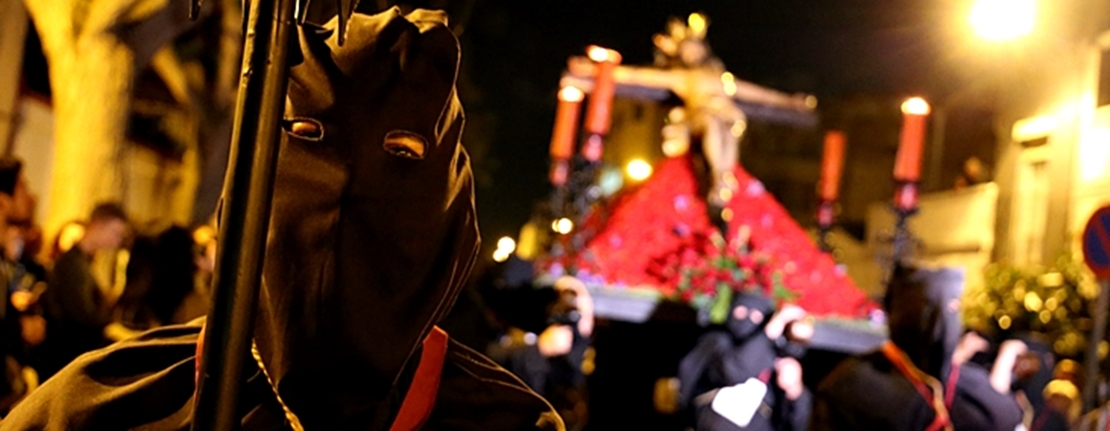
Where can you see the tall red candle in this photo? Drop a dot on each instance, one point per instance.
(598, 113)
(832, 165)
(566, 123)
(907, 165)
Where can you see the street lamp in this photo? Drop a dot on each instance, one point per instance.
(1001, 20)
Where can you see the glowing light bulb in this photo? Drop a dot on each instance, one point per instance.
(563, 225)
(507, 244)
(638, 170)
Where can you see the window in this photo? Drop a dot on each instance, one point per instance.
(1030, 209)
(1104, 77)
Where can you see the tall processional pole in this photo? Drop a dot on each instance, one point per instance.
(244, 213)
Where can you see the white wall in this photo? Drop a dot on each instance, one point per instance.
(955, 229)
(34, 143)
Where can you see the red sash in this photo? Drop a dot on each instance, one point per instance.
(939, 402)
(421, 397)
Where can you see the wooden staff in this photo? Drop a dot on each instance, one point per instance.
(244, 214)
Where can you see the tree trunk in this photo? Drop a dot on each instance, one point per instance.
(91, 84)
(91, 73)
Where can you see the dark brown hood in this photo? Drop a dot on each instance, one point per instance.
(923, 316)
(368, 247)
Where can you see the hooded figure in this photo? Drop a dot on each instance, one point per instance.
(739, 360)
(716, 360)
(911, 383)
(373, 232)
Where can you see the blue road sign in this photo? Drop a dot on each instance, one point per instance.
(1096, 243)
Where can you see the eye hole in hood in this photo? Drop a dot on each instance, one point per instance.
(304, 128)
(405, 144)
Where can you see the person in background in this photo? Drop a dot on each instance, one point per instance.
(26, 289)
(16, 239)
(1034, 376)
(748, 375)
(918, 380)
(16, 206)
(68, 236)
(971, 173)
(198, 300)
(540, 333)
(26, 285)
(159, 275)
(553, 366)
(1061, 403)
(75, 318)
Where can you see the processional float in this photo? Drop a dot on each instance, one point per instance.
(713, 109)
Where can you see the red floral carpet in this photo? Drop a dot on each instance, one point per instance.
(647, 237)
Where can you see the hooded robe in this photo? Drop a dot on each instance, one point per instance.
(741, 355)
(911, 382)
(372, 235)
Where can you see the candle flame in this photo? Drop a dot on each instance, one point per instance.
(571, 93)
(597, 53)
(600, 54)
(915, 106)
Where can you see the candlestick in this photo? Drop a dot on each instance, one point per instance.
(905, 196)
(825, 215)
(592, 149)
(832, 165)
(907, 173)
(560, 169)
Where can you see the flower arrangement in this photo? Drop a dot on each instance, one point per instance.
(656, 238)
(706, 269)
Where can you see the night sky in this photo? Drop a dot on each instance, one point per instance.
(514, 53)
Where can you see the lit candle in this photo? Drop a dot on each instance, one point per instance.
(566, 123)
(598, 113)
(832, 165)
(907, 165)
